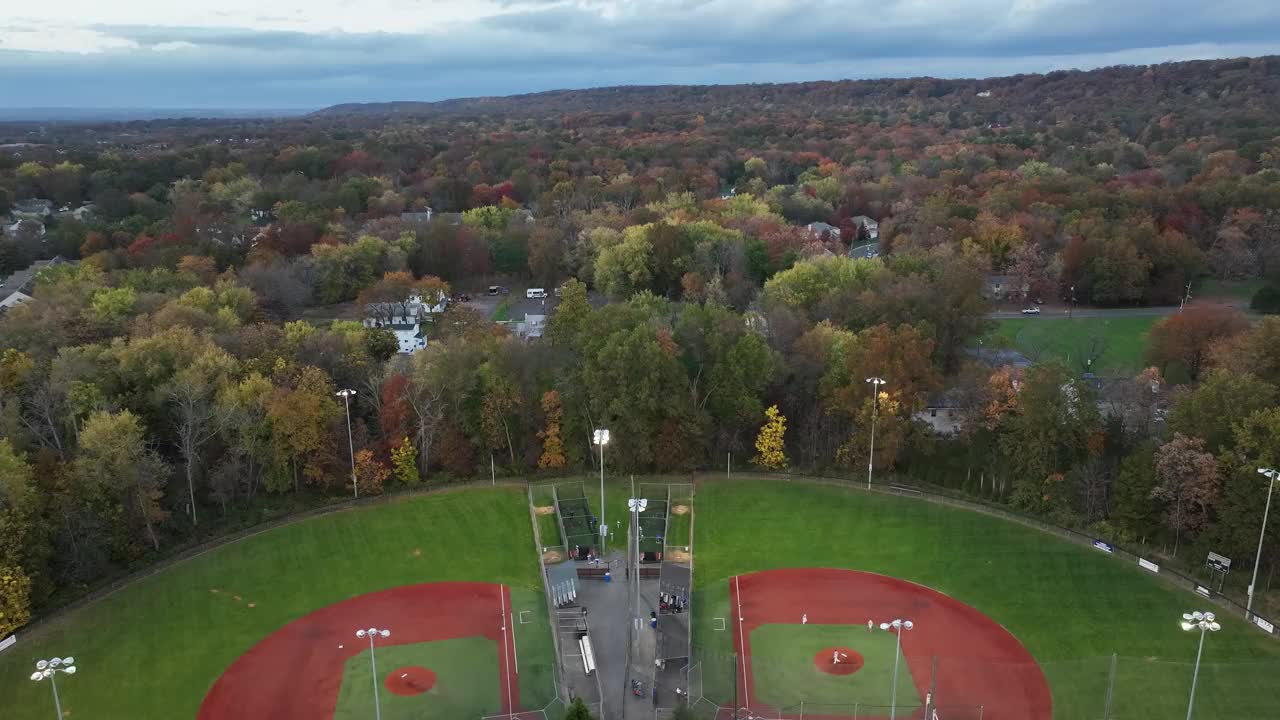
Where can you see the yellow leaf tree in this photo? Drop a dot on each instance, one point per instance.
(770, 443)
(404, 462)
(552, 443)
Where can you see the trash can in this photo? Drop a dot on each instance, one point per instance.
(607, 576)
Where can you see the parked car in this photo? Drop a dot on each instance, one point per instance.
(495, 290)
(1031, 311)
(535, 293)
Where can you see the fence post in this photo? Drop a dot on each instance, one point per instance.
(801, 710)
(1111, 683)
(855, 711)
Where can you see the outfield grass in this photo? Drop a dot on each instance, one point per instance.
(466, 681)
(1067, 340)
(153, 649)
(784, 673)
(1071, 606)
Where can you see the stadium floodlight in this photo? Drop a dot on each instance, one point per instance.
(875, 405)
(373, 633)
(1271, 475)
(601, 437)
(346, 401)
(48, 670)
(1205, 622)
(898, 625)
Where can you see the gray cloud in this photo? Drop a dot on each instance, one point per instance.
(546, 44)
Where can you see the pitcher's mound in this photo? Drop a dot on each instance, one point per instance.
(850, 661)
(680, 510)
(545, 509)
(410, 680)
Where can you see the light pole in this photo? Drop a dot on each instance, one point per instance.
(1204, 622)
(346, 401)
(637, 506)
(601, 438)
(372, 633)
(875, 406)
(48, 670)
(1272, 476)
(898, 626)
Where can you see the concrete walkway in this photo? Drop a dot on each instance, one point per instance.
(607, 611)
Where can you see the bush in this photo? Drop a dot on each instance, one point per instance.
(578, 711)
(1267, 299)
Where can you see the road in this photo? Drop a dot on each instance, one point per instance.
(1047, 312)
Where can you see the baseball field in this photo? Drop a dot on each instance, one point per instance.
(265, 626)
(797, 587)
(1007, 621)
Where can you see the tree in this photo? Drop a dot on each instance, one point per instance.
(1046, 436)
(300, 418)
(116, 462)
(500, 399)
(197, 417)
(1185, 338)
(404, 462)
(1215, 407)
(17, 530)
(1133, 507)
(552, 445)
(771, 442)
(1188, 482)
(371, 473)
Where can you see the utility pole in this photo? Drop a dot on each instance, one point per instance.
(1186, 297)
(1071, 308)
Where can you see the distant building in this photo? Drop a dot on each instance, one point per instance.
(413, 310)
(409, 336)
(15, 229)
(817, 229)
(16, 289)
(944, 413)
(1006, 287)
(423, 216)
(870, 225)
(32, 209)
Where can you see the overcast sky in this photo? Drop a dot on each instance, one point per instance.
(313, 53)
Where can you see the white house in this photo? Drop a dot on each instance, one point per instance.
(13, 300)
(409, 336)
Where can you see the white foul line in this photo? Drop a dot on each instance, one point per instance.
(515, 646)
(506, 659)
(742, 641)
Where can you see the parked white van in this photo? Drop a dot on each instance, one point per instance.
(535, 293)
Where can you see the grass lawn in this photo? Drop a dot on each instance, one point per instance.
(782, 665)
(153, 649)
(1040, 339)
(548, 526)
(1238, 290)
(679, 523)
(466, 681)
(1071, 606)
